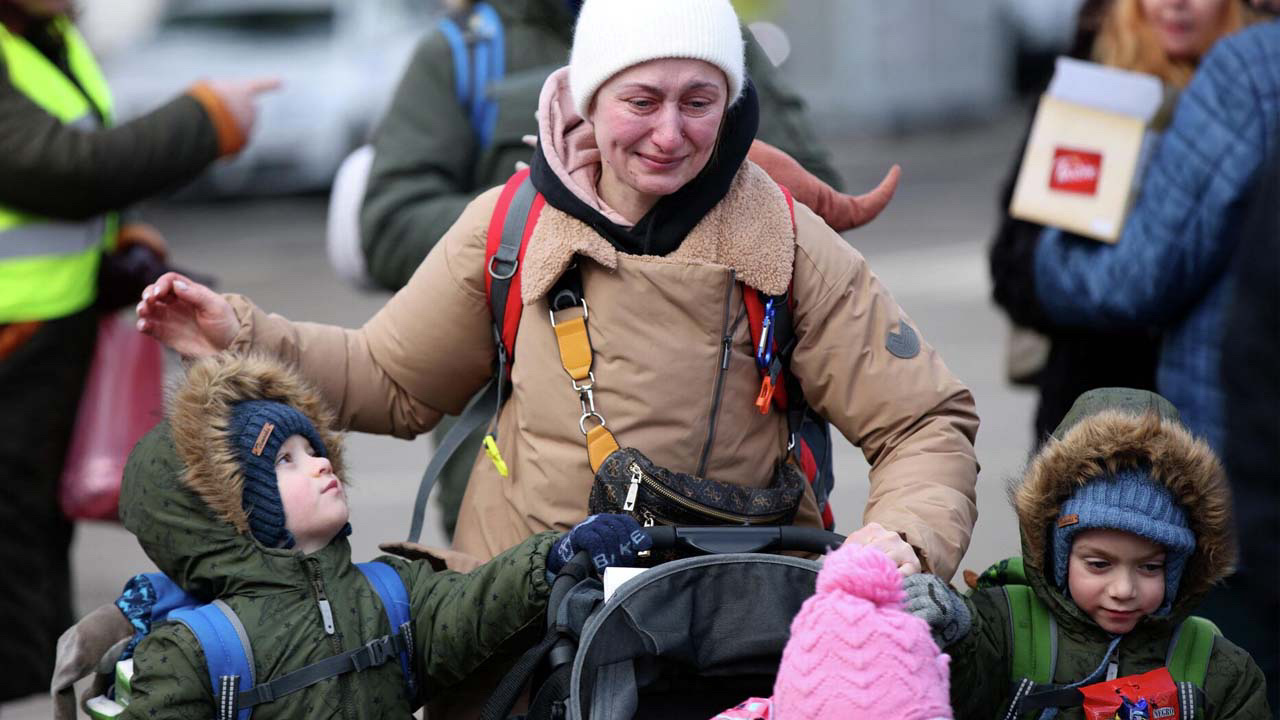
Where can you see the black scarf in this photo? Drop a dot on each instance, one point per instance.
(665, 226)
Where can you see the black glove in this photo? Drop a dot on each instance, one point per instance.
(608, 539)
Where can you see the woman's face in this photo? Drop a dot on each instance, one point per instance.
(1185, 28)
(656, 123)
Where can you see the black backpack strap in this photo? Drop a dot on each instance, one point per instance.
(374, 653)
(1053, 698)
(556, 646)
(504, 697)
(1192, 701)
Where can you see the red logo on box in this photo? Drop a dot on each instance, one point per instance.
(1075, 171)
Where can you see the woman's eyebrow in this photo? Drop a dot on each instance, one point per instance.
(644, 87)
(701, 85)
(655, 90)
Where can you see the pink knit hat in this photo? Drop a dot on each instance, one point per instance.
(856, 653)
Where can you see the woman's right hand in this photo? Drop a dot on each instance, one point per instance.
(187, 316)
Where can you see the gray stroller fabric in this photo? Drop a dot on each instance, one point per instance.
(699, 633)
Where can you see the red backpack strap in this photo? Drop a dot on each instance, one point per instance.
(775, 381)
(510, 226)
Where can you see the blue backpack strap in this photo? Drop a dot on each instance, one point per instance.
(461, 59)
(227, 653)
(389, 586)
(479, 59)
(490, 63)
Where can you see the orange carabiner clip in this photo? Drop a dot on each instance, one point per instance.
(765, 396)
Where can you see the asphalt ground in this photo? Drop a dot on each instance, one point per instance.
(929, 247)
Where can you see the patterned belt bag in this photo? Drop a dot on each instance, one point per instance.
(628, 482)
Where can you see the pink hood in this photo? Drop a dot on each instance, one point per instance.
(569, 145)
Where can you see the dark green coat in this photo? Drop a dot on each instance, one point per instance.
(428, 164)
(460, 621)
(980, 662)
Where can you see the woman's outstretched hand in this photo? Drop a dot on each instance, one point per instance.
(187, 316)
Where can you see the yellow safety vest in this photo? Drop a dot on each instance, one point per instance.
(48, 267)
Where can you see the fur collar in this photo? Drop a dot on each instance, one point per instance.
(200, 409)
(1113, 440)
(750, 230)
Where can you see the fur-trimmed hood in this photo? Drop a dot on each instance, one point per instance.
(1111, 440)
(200, 412)
(181, 492)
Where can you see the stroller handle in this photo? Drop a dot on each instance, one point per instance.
(719, 540)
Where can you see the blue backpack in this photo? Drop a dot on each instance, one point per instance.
(476, 39)
(229, 654)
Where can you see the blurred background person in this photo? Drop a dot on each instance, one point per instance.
(1250, 607)
(65, 174)
(435, 151)
(1165, 38)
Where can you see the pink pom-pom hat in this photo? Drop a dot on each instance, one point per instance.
(856, 653)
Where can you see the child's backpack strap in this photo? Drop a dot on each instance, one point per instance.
(395, 602)
(1190, 649)
(1034, 635)
(475, 38)
(227, 652)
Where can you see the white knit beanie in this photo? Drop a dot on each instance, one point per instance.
(613, 35)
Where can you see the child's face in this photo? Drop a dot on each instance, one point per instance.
(315, 503)
(1116, 577)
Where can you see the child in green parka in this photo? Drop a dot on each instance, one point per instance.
(240, 496)
(1125, 520)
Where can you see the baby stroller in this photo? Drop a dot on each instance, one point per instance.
(686, 639)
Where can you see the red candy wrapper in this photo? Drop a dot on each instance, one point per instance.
(1103, 701)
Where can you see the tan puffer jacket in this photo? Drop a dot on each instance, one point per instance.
(657, 326)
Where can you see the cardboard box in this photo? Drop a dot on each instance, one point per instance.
(1085, 151)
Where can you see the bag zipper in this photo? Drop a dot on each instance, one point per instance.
(640, 477)
(726, 346)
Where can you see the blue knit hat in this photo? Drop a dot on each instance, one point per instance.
(256, 431)
(1131, 501)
